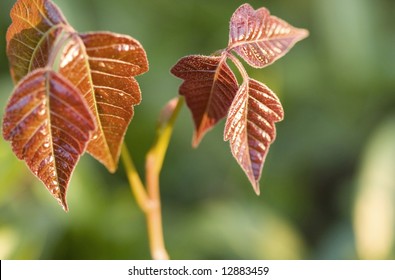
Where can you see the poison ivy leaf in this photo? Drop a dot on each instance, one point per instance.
(102, 66)
(259, 38)
(212, 91)
(35, 26)
(98, 69)
(209, 89)
(250, 127)
(49, 126)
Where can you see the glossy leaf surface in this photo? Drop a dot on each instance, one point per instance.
(260, 38)
(49, 126)
(209, 89)
(35, 26)
(102, 66)
(250, 127)
(92, 71)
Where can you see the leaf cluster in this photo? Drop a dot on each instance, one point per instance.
(74, 92)
(212, 91)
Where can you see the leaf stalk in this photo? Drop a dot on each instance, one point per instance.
(238, 64)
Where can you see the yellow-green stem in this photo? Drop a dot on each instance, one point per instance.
(148, 199)
(164, 133)
(135, 183)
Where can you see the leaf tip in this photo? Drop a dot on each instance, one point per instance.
(256, 188)
(206, 124)
(196, 140)
(60, 198)
(64, 205)
(197, 136)
(303, 33)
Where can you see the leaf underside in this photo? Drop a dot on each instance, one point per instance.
(251, 109)
(84, 99)
(250, 127)
(49, 125)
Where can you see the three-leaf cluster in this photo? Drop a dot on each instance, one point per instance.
(212, 91)
(74, 92)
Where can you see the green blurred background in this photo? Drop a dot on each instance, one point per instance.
(328, 185)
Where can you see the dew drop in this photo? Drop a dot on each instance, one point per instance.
(41, 112)
(51, 159)
(43, 131)
(54, 191)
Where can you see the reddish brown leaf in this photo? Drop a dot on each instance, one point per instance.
(250, 127)
(98, 69)
(35, 26)
(49, 126)
(102, 66)
(209, 89)
(260, 38)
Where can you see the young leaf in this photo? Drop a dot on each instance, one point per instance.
(209, 89)
(259, 38)
(250, 127)
(35, 26)
(102, 66)
(98, 69)
(49, 126)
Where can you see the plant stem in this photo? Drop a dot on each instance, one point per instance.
(164, 133)
(154, 215)
(153, 166)
(239, 66)
(148, 199)
(135, 183)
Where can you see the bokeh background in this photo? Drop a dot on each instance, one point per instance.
(328, 185)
